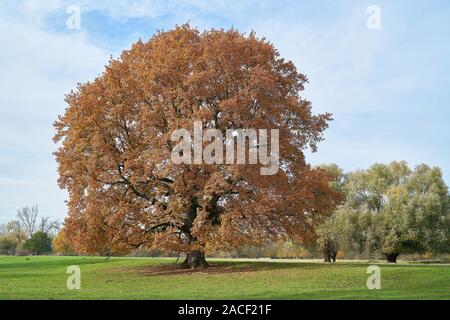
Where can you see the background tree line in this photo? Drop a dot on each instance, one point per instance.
(389, 210)
(28, 233)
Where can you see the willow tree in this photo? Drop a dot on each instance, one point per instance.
(115, 149)
(391, 209)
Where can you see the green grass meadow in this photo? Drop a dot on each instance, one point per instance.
(44, 277)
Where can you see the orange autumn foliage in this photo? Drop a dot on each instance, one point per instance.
(114, 157)
(61, 243)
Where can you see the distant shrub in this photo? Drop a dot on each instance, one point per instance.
(39, 243)
(21, 251)
(7, 246)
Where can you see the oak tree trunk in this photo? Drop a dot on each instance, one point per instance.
(194, 260)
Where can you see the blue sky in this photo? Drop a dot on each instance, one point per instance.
(387, 88)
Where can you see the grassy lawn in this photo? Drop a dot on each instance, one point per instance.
(120, 278)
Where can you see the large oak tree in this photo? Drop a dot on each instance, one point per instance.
(115, 146)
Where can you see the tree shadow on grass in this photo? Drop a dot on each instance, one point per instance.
(223, 267)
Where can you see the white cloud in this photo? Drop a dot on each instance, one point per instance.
(38, 69)
(128, 8)
(379, 84)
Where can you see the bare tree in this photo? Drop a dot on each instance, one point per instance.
(3, 231)
(49, 226)
(28, 219)
(29, 222)
(15, 229)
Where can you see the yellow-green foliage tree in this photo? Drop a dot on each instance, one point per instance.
(391, 209)
(61, 244)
